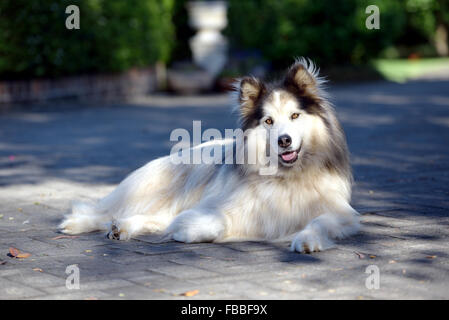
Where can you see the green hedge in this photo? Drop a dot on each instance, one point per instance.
(330, 32)
(118, 34)
(114, 35)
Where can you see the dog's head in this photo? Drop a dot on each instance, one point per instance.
(291, 121)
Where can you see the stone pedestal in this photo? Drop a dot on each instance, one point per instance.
(209, 46)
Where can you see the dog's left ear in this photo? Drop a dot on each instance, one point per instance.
(302, 77)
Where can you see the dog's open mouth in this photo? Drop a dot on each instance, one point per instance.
(289, 156)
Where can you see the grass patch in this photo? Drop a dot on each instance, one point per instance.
(401, 70)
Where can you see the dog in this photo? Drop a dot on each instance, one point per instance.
(290, 126)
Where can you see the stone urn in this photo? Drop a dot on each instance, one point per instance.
(209, 46)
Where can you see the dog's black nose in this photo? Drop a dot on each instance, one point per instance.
(284, 141)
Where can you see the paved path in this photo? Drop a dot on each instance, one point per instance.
(399, 139)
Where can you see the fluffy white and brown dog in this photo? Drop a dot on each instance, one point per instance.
(306, 199)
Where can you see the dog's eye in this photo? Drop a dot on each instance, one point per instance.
(269, 121)
(295, 116)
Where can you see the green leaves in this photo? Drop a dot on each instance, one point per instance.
(331, 32)
(113, 36)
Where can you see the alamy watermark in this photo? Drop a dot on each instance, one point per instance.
(73, 20)
(373, 280)
(73, 279)
(252, 146)
(373, 20)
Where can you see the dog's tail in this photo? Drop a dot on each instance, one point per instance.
(85, 217)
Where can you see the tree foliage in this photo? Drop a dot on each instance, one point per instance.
(113, 36)
(332, 32)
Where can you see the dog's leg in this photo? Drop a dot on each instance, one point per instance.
(320, 232)
(125, 228)
(196, 225)
(84, 218)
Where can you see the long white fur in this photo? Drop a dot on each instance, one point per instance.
(197, 203)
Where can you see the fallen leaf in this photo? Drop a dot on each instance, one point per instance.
(372, 256)
(88, 251)
(431, 257)
(23, 255)
(190, 293)
(38, 269)
(64, 237)
(1, 216)
(13, 252)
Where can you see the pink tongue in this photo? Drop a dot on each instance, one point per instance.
(288, 156)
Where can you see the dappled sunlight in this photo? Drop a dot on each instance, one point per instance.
(173, 101)
(100, 99)
(399, 155)
(443, 121)
(31, 117)
(101, 144)
(364, 120)
(374, 98)
(439, 100)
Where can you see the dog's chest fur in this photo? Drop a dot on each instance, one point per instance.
(271, 207)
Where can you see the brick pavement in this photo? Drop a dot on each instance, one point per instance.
(398, 135)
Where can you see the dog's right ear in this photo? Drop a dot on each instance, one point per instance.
(250, 90)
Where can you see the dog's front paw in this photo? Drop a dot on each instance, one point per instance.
(193, 226)
(190, 233)
(185, 235)
(308, 241)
